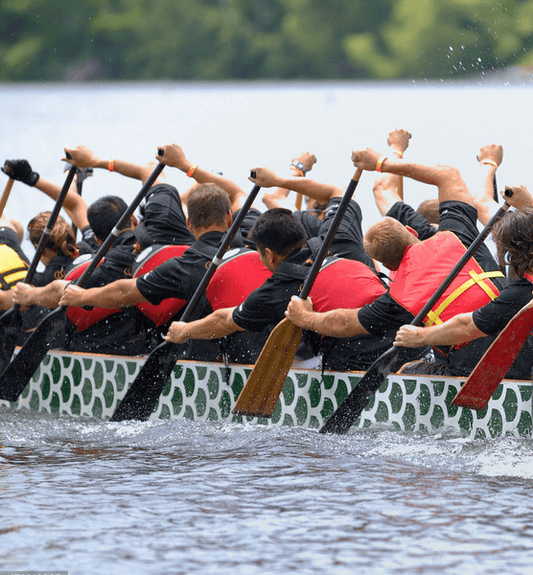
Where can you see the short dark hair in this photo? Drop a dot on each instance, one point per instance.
(279, 230)
(513, 236)
(104, 214)
(429, 209)
(207, 205)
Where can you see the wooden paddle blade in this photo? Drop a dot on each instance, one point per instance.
(350, 409)
(18, 373)
(143, 394)
(496, 361)
(263, 388)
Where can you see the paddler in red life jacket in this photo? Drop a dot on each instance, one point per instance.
(420, 266)
(513, 236)
(209, 210)
(287, 253)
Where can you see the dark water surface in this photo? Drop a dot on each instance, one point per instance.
(183, 497)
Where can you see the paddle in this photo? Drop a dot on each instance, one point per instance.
(496, 361)
(142, 396)
(11, 320)
(350, 409)
(261, 392)
(17, 374)
(400, 187)
(7, 191)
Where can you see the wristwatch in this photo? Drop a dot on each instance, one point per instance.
(300, 166)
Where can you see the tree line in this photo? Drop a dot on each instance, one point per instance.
(261, 39)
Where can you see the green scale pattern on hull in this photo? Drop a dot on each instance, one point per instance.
(91, 385)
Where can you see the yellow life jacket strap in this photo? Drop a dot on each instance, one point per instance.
(475, 279)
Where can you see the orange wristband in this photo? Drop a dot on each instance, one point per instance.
(399, 153)
(380, 163)
(111, 165)
(488, 162)
(301, 173)
(191, 171)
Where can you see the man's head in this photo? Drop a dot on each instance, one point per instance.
(429, 209)
(387, 240)
(277, 232)
(208, 205)
(103, 215)
(513, 236)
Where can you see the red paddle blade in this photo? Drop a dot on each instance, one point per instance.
(496, 361)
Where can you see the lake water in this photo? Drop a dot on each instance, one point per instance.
(91, 497)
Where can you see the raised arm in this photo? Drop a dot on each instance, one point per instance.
(174, 157)
(299, 166)
(74, 204)
(82, 157)
(448, 180)
(317, 191)
(490, 158)
(386, 188)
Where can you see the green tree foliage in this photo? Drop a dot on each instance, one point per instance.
(252, 39)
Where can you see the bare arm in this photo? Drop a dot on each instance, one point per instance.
(310, 188)
(82, 157)
(74, 204)
(490, 157)
(174, 156)
(217, 324)
(449, 181)
(520, 197)
(459, 329)
(6, 299)
(276, 198)
(386, 193)
(46, 296)
(334, 323)
(120, 293)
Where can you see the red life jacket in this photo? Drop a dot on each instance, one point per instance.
(239, 274)
(150, 259)
(424, 267)
(83, 318)
(344, 284)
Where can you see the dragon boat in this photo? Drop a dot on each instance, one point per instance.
(82, 384)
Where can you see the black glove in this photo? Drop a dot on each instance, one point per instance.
(20, 170)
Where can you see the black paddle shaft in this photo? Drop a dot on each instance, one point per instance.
(350, 409)
(141, 398)
(326, 244)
